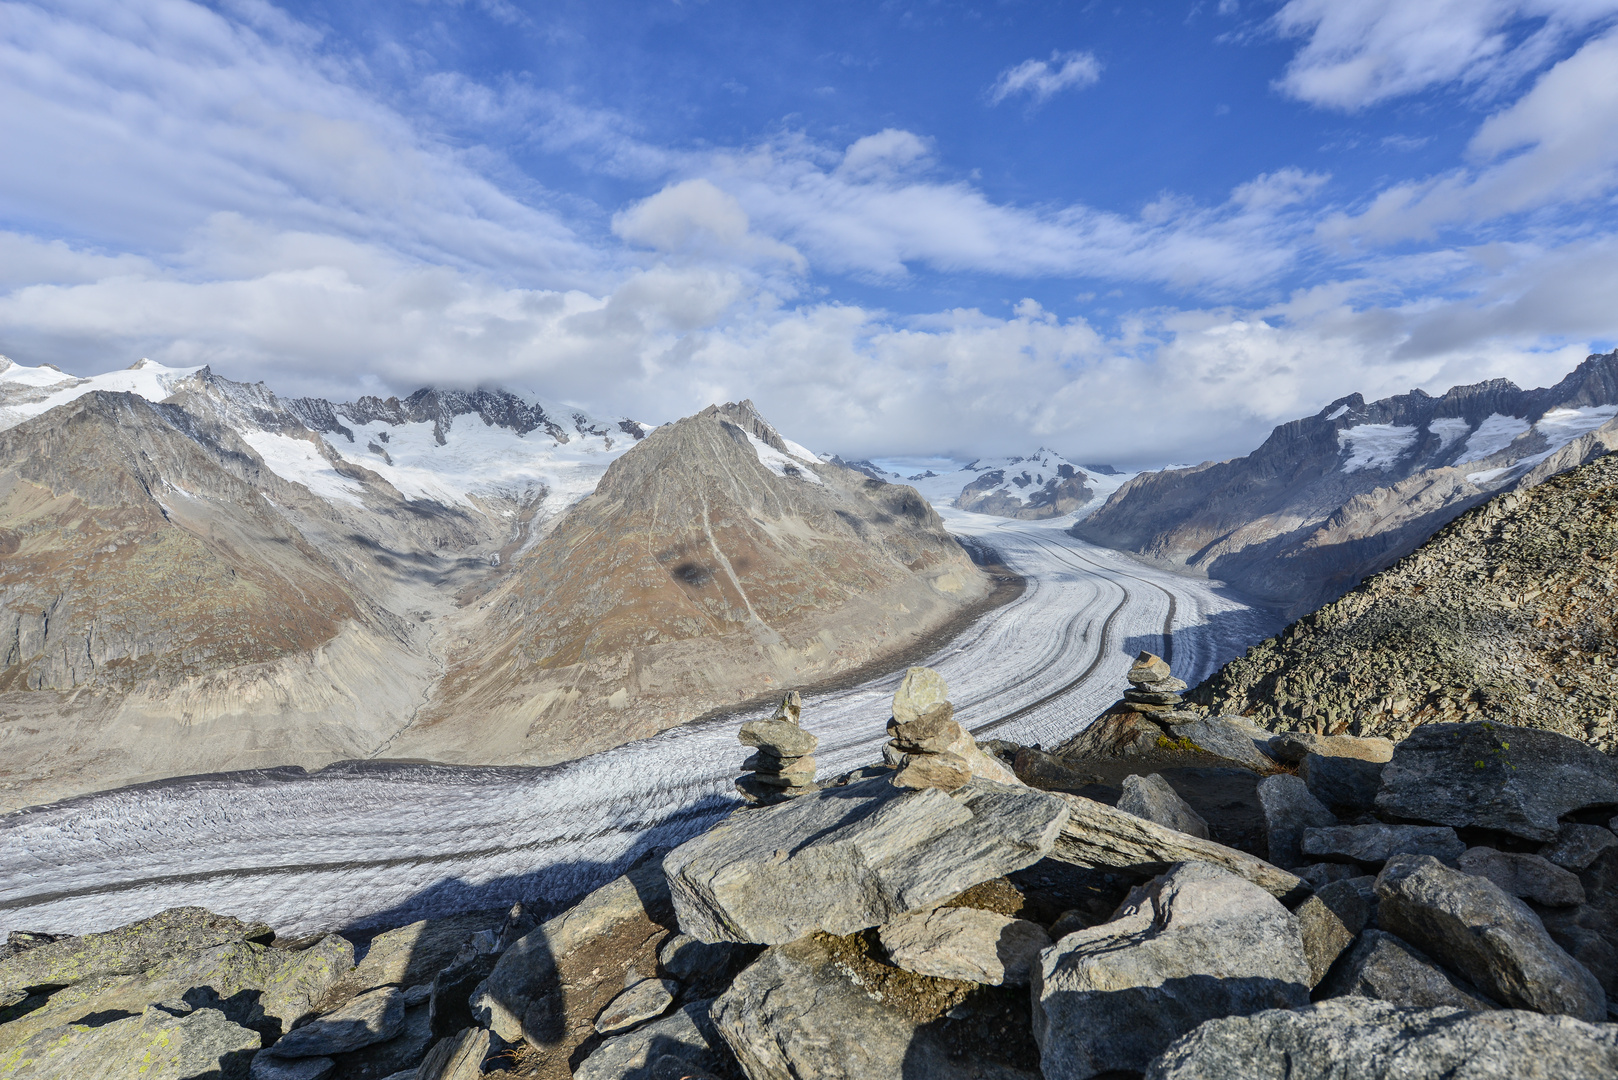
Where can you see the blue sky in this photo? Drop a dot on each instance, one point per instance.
(1142, 233)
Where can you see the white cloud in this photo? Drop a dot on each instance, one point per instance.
(1367, 51)
(1042, 79)
(1557, 145)
(696, 217)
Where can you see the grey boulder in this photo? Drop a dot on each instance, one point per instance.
(1577, 846)
(1388, 968)
(847, 858)
(782, 738)
(372, 1017)
(921, 689)
(456, 1057)
(1376, 844)
(1291, 747)
(128, 950)
(1347, 785)
(794, 1012)
(1360, 1039)
(1329, 921)
(1531, 877)
(686, 1035)
(1470, 925)
(156, 1045)
(1195, 944)
(1226, 739)
(1492, 776)
(965, 944)
(266, 1067)
(646, 1000)
(1152, 798)
(1290, 808)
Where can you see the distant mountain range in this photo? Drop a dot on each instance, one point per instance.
(1331, 498)
(201, 575)
(1030, 487)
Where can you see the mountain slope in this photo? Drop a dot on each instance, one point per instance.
(1330, 498)
(1508, 613)
(715, 563)
(1042, 485)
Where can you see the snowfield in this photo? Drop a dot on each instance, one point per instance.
(382, 844)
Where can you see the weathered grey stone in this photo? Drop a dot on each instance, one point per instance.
(371, 1017)
(526, 970)
(156, 1045)
(1289, 809)
(1321, 874)
(1577, 846)
(792, 1013)
(1388, 968)
(457, 1057)
(1531, 877)
(1221, 737)
(645, 1000)
(966, 944)
(921, 689)
(791, 707)
(1153, 696)
(266, 1067)
(1358, 1039)
(1517, 780)
(1170, 685)
(1346, 785)
(1111, 735)
(1152, 798)
(1100, 836)
(1195, 944)
(1469, 924)
(933, 731)
(412, 955)
(799, 773)
(1291, 747)
(1583, 933)
(852, 857)
(127, 950)
(685, 958)
(943, 771)
(1329, 921)
(404, 1050)
(1376, 844)
(687, 1035)
(798, 770)
(419, 994)
(781, 737)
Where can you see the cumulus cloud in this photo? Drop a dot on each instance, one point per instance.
(1358, 54)
(696, 217)
(1040, 80)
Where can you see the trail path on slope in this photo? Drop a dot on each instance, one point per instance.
(384, 843)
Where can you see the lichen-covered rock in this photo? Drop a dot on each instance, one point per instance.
(1490, 776)
(127, 950)
(1469, 924)
(155, 1045)
(1388, 968)
(372, 1017)
(1223, 737)
(921, 689)
(966, 944)
(847, 858)
(1196, 944)
(1152, 798)
(1360, 1039)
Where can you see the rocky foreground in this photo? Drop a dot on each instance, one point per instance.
(1299, 906)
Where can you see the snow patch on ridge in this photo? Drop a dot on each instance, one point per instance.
(298, 461)
(1375, 446)
(1449, 429)
(26, 392)
(791, 466)
(1493, 435)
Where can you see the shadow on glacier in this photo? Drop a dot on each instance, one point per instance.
(1219, 638)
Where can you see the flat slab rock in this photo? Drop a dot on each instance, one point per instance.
(371, 1017)
(127, 950)
(1388, 968)
(792, 1014)
(1493, 776)
(1289, 809)
(1524, 875)
(646, 1000)
(155, 1045)
(965, 944)
(1376, 844)
(1472, 926)
(1195, 944)
(1152, 798)
(847, 858)
(1360, 1039)
(688, 1035)
(1227, 739)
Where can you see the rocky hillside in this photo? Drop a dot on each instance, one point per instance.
(714, 561)
(1505, 614)
(1431, 919)
(1339, 495)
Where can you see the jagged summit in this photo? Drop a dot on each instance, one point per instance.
(1329, 498)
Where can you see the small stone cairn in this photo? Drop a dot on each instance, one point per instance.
(1152, 689)
(782, 765)
(927, 746)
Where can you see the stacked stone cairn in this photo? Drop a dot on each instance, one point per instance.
(927, 746)
(1152, 689)
(782, 765)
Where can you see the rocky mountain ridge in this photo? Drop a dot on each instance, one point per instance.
(1331, 498)
(903, 921)
(1506, 614)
